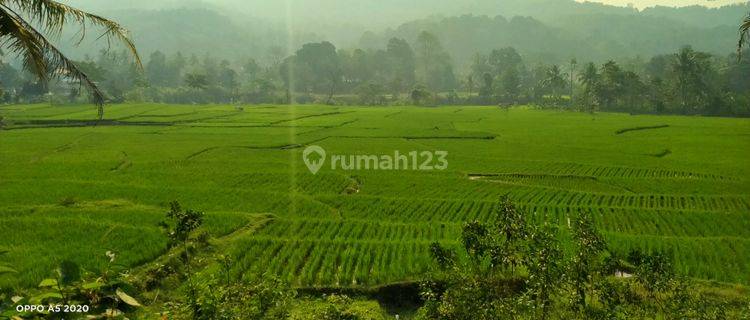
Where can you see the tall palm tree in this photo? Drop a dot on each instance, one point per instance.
(590, 79)
(25, 25)
(555, 81)
(744, 34)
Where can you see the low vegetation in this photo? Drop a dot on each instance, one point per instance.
(509, 267)
(513, 268)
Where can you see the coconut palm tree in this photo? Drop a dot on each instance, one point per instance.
(744, 34)
(590, 79)
(25, 26)
(555, 81)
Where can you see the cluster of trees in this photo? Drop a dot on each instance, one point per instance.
(513, 268)
(421, 72)
(686, 82)
(371, 74)
(395, 71)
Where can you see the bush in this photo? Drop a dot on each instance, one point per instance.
(266, 298)
(515, 269)
(337, 307)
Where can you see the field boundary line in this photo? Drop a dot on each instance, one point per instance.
(626, 130)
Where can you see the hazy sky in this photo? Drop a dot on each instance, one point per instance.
(155, 3)
(673, 3)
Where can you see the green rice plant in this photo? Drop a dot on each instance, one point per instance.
(239, 166)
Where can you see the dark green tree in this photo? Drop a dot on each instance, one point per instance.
(251, 70)
(196, 81)
(513, 230)
(691, 68)
(402, 61)
(590, 80)
(487, 87)
(610, 85)
(324, 64)
(435, 69)
(156, 69)
(511, 85)
(554, 82)
(480, 66)
(633, 91)
(573, 64)
(544, 262)
(419, 95)
(657, 95)
(505, 59)
(226, 76)
(371, 94)
(587, 261)
(176, 66)
(179, 226)
(180, 223)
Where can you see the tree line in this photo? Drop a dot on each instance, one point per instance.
(404, 73)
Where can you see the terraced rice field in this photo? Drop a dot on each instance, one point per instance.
(69, 190)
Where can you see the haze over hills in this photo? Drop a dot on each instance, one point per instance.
(670, 3)
(589, 31)
(387, 13)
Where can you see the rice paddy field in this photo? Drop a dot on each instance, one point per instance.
(70, 190)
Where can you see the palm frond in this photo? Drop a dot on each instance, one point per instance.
(53, 16)
(22, 43)
(40, 56)
(18, 19)
(744, 34)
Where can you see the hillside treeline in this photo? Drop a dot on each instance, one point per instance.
(404, 73)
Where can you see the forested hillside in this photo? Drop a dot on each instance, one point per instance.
(560, 29)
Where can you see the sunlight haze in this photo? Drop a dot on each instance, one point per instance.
(672, 3)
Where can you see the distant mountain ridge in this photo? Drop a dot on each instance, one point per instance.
(549, 29)
(375, 14)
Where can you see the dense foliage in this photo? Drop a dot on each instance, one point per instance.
(516, 269)
(686, 82)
